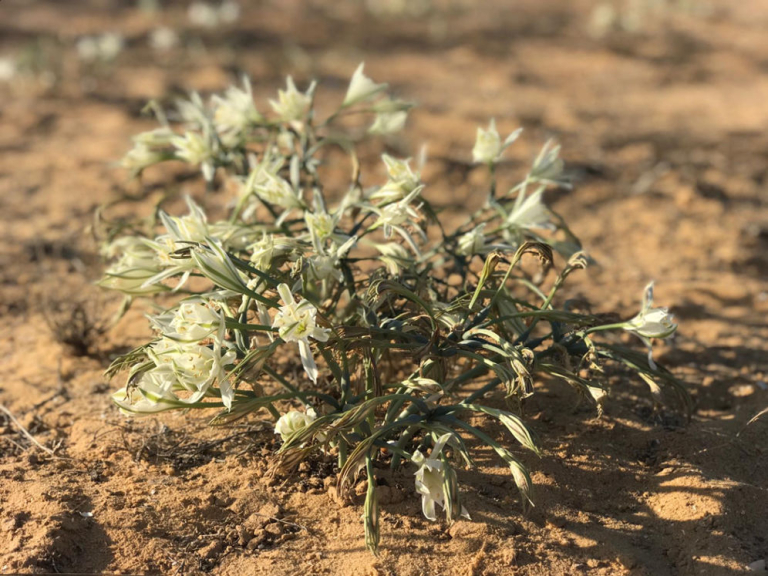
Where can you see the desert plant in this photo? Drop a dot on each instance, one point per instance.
(401, 326)
(638, 16)
(77, 324)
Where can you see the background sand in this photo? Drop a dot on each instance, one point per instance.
(665, 132)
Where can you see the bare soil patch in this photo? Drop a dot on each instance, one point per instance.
(666, 136)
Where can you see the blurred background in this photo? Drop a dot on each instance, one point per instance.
(661, 107)
(650, 98)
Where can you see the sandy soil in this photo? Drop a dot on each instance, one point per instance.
(666, 135)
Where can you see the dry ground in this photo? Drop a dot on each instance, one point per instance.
(666, 135)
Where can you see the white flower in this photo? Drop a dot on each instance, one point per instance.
(7, 69)
(190, 228)
(529, 211)
(402, 180)
(233, 234)
(325, 265)
(388, 122)
(257, 175)
(472, 242)
(183, 233)
(163, 39)
(140, 157)
(291, 422)
(322, 227)
(179, 367)
(229, 11)
(394, 256)
(157, 138)
(296, 322)
(131, 281)
(110, 45)
(136, 265)
(430, 477)
(603, 19)
(169, 260)
(361, 88)
(651, 322)
(194, 320)
(163, 351)
(394, 215)
(264, 251)
(285, 141)
(105, 47)
(276, 190)
(196, 149)
(196, 367)
(400, 171)
(153, 393)
(87, 49)
(203, 14)
(235, 112)
(215, 264)
(199, 366)
(247, 198)
(193, 112)
(292, 105)
(321, 224)
(145, 151)
(548, 166)
(488, 144)
(125, 245)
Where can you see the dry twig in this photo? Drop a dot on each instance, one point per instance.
(29, 436)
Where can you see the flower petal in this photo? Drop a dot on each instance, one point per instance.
(428, 508)
(307, 360)
(648, 297)
(440, 444)
(227, 392)
(285, 293)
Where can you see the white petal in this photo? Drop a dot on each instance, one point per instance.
(440, 444)
(307, 360)
(651, 363)
(320, 334)
(208, 170)
(346, 247)
(227, 392)
(361, 88)
(428, 508)
(285, 294)
(512, 137)
(648, 296)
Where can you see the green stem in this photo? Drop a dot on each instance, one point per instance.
(235, 325)
(604, 327)
(342, 453)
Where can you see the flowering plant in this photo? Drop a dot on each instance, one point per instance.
(402, 326)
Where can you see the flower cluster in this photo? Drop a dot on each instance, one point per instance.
(103, 48)
(402, 326)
